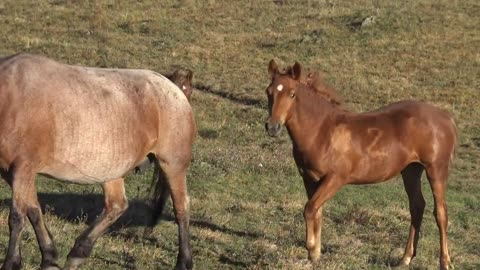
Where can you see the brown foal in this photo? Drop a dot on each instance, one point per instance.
(333, 147)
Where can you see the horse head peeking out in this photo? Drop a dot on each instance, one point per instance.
(183, 79)
(333, 147)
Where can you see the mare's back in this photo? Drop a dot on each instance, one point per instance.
(89, 117)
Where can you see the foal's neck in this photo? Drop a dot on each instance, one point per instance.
(313, 114)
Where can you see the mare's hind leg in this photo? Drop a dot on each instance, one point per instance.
(177, 182)
(115, 205)
(25, 203)
(437, 176)
(411, 179)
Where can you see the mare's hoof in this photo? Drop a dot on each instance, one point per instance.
(183, 266)
(13, 264)
(52, 267)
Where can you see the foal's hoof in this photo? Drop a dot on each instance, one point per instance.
(401, 266)
(447, 267)
(314, 255)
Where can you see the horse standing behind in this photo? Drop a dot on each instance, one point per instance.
(333, 147)
(182, 79)
(89, 126)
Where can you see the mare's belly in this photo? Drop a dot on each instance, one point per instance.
(88, 172)
(96, 151)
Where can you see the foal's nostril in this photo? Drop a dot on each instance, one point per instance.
(273, 129)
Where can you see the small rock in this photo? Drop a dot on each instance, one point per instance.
(368, 21)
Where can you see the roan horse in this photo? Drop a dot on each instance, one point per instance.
(89, 126)
(333, 147)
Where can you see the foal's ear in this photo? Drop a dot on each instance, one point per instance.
(189, 75)
(173, 76)
(272, 68)
(296, 71)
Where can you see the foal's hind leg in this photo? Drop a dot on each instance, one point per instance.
(437, 175)
(25, 203)
(411, 179)
(115, 205)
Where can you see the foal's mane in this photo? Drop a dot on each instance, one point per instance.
(313, 80)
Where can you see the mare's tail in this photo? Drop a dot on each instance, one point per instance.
(160, 192)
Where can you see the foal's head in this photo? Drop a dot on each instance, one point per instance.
(281, 95)
(183, 79)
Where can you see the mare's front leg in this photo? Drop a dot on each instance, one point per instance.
(313, 214)
(115, 205)
(25, 203)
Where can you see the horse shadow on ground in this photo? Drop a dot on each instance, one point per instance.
(230, 96)
(84, 208)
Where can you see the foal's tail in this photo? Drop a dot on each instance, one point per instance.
(455, 140)
(160, 192)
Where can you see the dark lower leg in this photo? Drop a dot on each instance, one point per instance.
(115, 205)
(181, 206)
(411, 178)
(16, 222)
(44, 237)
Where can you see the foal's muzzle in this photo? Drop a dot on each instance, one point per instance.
(273, 129)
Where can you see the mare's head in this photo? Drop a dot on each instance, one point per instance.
(183, 79)
(281, 96)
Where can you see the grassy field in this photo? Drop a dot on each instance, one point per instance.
(246, 196)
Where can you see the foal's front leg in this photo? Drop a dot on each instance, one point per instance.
(311, 186)
(115, 205)
(313, 214)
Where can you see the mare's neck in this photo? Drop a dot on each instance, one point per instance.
(313, 116)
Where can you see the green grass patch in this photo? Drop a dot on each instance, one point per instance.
(247, 198)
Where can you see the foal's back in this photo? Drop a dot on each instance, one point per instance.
(86, 124)
(382, 142)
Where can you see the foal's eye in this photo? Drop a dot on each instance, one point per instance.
(292, 95)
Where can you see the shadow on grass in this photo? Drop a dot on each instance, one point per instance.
(228, 95)
(85, 208)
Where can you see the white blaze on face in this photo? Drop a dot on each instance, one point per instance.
(280, 87)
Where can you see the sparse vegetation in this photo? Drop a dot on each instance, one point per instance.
(246, 196)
